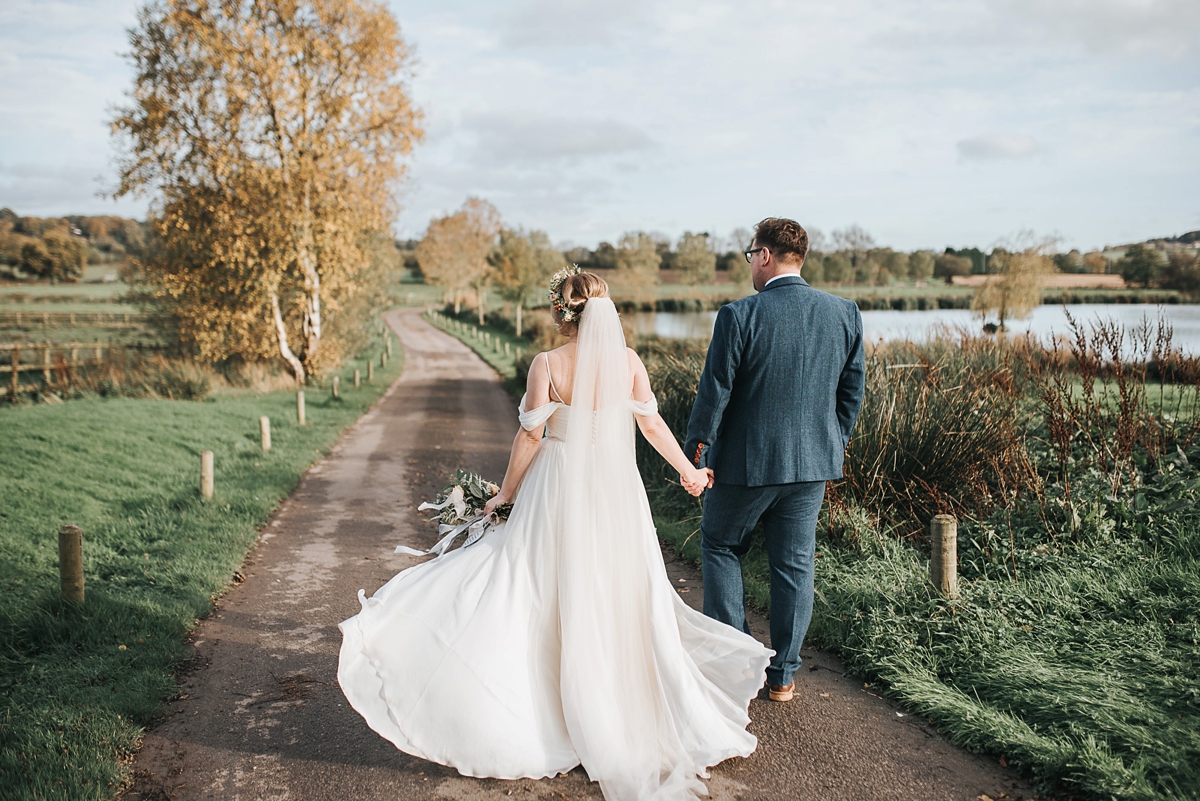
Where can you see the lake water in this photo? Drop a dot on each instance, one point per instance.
(1045, 322)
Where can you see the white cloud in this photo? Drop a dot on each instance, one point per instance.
(997, 146)
(51, 189)
(566, 23)
(524, 138)
(1160, 28)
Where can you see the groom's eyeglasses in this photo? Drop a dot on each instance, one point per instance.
(749, 253)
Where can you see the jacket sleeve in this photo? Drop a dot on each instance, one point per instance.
(851, 382)
(716, 383)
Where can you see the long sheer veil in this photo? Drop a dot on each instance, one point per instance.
(612, 699)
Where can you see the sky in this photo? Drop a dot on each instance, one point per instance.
(930, 123)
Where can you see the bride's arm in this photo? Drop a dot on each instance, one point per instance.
(659, 435)
(525, 445)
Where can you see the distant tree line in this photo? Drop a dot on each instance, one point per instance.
(58, 248)
(1146, 266)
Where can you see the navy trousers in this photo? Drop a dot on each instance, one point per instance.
(788, 513)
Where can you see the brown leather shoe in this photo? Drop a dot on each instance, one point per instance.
(785, 693)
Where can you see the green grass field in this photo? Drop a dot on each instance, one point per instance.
(67, 305)
(502, 363)
(79, 685)
(36, 291)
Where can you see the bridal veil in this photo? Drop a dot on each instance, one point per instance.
(612, 671)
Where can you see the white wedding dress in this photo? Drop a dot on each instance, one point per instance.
(558, 639)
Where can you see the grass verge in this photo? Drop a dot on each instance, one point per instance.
(79, 685)
(489, 348)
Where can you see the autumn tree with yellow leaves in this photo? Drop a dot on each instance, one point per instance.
(522, 265)
(638, 262)
(454, 253)
(1014, 289)
(269, 133)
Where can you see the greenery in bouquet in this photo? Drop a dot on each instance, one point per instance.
(463, 499)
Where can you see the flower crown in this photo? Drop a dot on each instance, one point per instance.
(567, 315)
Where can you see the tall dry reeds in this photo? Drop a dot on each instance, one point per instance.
(965, 424)
(1115, 399)
(939, 429)
(125, 371)
(939, 432)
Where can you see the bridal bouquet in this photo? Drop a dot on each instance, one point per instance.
(460, 509)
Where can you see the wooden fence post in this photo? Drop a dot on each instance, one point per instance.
(16, 373)
(371, 372)
(264, 432)
(357, 379)
(300, 407)
(506, 350)
(943, 562)
(383, 359)
(336, 393)
(70, 563)
(389, 347)
(206, 474)
(46, 363)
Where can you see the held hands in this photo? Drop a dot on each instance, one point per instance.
(696, 481)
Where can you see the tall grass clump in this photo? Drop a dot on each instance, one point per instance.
(938, 432)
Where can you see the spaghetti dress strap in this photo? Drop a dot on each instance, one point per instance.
(548, 375)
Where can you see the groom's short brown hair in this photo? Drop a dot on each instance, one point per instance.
(783, 237)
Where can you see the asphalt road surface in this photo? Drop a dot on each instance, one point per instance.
(259, 714)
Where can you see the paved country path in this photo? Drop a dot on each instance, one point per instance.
(259, 713)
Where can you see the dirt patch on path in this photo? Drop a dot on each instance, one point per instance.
(260, 714)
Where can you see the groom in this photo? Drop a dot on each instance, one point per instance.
(777, 401)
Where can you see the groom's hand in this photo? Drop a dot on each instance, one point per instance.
(694, 484)
(711, 478)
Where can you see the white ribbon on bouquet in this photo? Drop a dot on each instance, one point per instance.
(476, 527)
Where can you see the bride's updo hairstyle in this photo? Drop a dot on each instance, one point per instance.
(570, 290)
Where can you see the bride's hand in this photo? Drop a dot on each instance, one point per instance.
(496, 500)
(695, 482)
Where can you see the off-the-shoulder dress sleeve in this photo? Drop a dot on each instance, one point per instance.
(644, 408)
(535, 417)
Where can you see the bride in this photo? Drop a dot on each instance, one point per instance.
(557, 639)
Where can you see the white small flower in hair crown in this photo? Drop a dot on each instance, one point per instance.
(556, 298)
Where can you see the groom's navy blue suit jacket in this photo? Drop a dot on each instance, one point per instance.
(781, 387)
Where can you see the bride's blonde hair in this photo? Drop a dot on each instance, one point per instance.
(576, 290)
